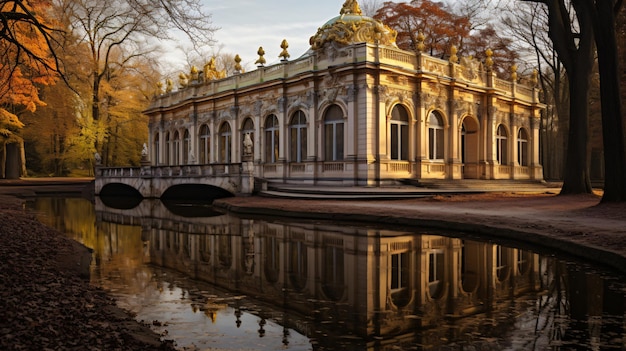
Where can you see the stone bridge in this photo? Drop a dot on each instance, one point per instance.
(190, 181)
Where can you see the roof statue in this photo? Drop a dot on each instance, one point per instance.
(351, 7)
(211, 72)
(351, 27)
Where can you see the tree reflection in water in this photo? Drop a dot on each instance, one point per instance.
(224, 280)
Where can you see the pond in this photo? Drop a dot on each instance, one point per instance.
(209, 280)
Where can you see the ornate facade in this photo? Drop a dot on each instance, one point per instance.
(353, 110)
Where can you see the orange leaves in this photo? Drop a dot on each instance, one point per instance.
(440, 26)
(26, 60)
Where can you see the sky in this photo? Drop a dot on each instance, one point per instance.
(247, 24)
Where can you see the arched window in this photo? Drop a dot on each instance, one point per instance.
(205, 144)
(225, 142)
(186, 147)
(271, 139)
(399, 133)
(247, 127)
(176, 151)
(333, 133)
(501, 145)
(168, 149)
(435, 137)
(157, 152)
(297, 137)
(522, 147)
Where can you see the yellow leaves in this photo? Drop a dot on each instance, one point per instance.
(9, 120)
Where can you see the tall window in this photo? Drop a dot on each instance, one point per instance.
(225, 142)
(297, 137)
(186, 147)
(157, 152)
(400, 278)
(399, 133)
(176, 151)
(436, 273)
(271, 139)
(502, 268)
(522, 147)
(435, 136)
(298, 272)
(205, 144)
(247, 127)
(501, 145)
(272, 259)
(168, 149)
(333, 133)
(333, 272)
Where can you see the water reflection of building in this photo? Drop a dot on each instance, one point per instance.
(366, 282)
(376, 288)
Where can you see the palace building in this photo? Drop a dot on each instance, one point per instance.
(354, 110)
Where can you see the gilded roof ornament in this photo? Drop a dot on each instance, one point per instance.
(351, 7)
(211, 72)
(284, 54)
(489, 60)
(261, 61)
(420, 42)
(453, 57)
(514, 72)
(351, 27)
(237, 63)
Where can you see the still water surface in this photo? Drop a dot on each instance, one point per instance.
(220, 282)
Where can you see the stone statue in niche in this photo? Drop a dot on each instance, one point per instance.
(247, 145)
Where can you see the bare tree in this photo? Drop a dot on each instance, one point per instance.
(117, 32)
(571, 32)
(527, 25)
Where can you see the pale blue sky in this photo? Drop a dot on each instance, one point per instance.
(247, 24)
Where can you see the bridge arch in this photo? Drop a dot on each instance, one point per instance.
(195, 192)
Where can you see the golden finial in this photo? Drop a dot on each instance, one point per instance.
(514, 72)
(169, 85)
(351, 7)
(182, 80)
(194, 73)
(237, 63)
(420, 42)
(489, 60)
(284, 54)
(453, 57)
(534, 78)
(261, 61)
(159, 88)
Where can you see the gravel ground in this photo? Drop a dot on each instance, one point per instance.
(46, 301)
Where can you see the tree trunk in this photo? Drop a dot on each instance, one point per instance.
(576, 178)
(612, 136)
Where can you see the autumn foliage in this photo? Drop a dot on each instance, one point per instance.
(442, 28)
(26, 63)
